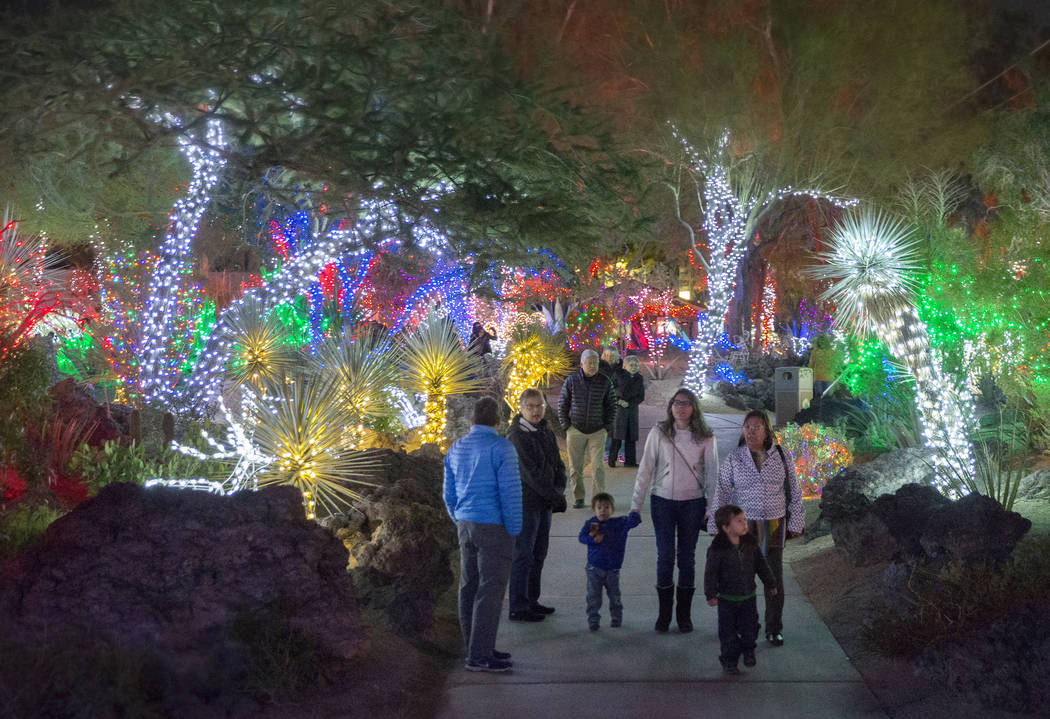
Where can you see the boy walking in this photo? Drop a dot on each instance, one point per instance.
(733, 559)
(606, 540)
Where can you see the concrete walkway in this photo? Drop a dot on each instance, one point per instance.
(561, 669)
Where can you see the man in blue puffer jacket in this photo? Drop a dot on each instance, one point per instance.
(483, 496)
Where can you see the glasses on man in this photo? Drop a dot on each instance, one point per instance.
(682, 403)
(529, 405)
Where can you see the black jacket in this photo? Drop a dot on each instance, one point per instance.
(630, 388)
(539, 464)
(586, 403)
(731, 568)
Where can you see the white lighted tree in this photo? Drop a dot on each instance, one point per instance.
(732, 197)
(871, 264)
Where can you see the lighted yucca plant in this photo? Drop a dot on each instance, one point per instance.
(534, 358)
(28, 285)
(300, 426)
(871, 264)
(261, 353)
(361, 371)
(436, 365)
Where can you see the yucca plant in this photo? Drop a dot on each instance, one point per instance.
(362, 371)
(871, 265)
(436, 365)
(299, 425)
(261, 353)
(29, 284)
(534, 358)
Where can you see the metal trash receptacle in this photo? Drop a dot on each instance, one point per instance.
(794, 390)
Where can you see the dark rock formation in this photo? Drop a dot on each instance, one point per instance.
(973, 529)
(1003, 665)
(401, 539)
(168, 573)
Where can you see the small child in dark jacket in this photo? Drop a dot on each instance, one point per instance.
(606, 540)
(733, 560)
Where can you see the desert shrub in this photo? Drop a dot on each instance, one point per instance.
(116, 462)
(22, 525)
(936, 604)
(888, 420)
(281, 660)
(24, 380)
(819, 453)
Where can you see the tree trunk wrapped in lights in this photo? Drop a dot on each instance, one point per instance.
(534, 358)
(732, 196)
(871, 263)
(436, 365)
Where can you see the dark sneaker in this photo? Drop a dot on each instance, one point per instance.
(749, 658)
(487, 665)
(593, 626)
(502, 656)
(540, 609)
(578, 504)
(730, 669)
(527, 616)
(777, 639)
(615, 622)
(612, 465)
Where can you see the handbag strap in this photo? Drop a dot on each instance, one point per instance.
(691, 470)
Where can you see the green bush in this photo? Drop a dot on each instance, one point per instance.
(116, 462)
(938, 604)
(23, 525)
(24, 381)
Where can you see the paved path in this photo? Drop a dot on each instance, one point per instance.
(561, 669)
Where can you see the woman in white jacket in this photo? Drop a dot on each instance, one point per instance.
(680, 465)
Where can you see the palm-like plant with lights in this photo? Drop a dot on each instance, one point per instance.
(871, 264)
(299, 425)
(261, 353)
(28, 285)
(436, 365)
(362, 371)
(534, 358)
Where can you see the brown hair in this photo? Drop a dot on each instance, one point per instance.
(768, 444)
(486, 412)
(603, 497)
(697, 425)
(725, 514)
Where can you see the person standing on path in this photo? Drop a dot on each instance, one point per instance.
(586, 410)
(606, 540)
(758, 477)
(482, 493)
(630, 392)
(542, 492)
(680, 465)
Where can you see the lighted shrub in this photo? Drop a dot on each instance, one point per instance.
(819, 453)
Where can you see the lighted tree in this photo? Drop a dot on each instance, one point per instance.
(872, 264)
(732, 197)
(437, 365)
(534, 357)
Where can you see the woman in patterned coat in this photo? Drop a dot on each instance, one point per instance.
(760, 478)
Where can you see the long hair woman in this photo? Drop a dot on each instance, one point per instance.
(679, 466)
(758, 477)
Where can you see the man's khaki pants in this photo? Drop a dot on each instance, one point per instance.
(582, 447)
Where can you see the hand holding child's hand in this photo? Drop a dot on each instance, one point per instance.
(712, 602)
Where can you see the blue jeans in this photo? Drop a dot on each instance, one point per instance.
(684, 519)
(485, 552)
(597, 578)
(530, 550)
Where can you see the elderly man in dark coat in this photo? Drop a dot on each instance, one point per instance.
(586, 410)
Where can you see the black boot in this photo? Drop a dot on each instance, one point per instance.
(663, 622)
(684, 610)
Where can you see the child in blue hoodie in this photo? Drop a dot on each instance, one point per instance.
(606, 540)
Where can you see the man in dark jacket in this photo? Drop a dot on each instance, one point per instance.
(630, 392)
(542, 492)
(586, 410)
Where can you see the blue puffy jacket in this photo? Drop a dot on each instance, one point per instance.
(481, 480)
